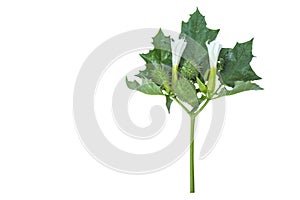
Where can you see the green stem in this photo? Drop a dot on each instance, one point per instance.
(217, 90)
(201, 108)
(181, 104)
(193, 116)
(192, 177)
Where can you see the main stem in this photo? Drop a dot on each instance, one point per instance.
(192, 177)
(193, 116)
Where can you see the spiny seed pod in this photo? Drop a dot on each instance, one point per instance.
(188, 71)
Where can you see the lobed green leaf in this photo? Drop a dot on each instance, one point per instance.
(162, 52)
(147, 86)
(239, 86)
(236, 64)
(197, 34)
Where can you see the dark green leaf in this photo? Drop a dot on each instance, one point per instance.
(168, 102)
(146, 72)
(235, 65)
(197, 34)
(151, 57)
(156, 74)
(147, 87)
(162, 52)
(186, 91)
(196, 29)
(239, 86)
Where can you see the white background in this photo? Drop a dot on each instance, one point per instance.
(42, 47)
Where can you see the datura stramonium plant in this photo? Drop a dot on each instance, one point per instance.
(193, 70)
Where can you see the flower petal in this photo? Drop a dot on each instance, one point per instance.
(178, 47)
(213, 49)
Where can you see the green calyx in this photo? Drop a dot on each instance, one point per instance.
(202, 86)
(211, 83)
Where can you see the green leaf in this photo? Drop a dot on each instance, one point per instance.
(151, 57)
(146, 72)
(147, 86)
(239, 86)
(196, 29)
(161, 41)
(197, 34)
(159, 74)
(162, 52)
(132, 84)
(168, 102)
(156, 73)
(236, 64)
(186, 91)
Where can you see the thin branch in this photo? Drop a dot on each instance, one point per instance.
(202, 107)
(181, 104)
(217, 90)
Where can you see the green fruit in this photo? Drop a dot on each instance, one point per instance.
(188, 71)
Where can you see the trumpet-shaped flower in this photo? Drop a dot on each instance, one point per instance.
(178, 47)
(213, 49)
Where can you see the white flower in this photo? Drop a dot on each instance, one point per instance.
(178, 47)
(213, 49)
